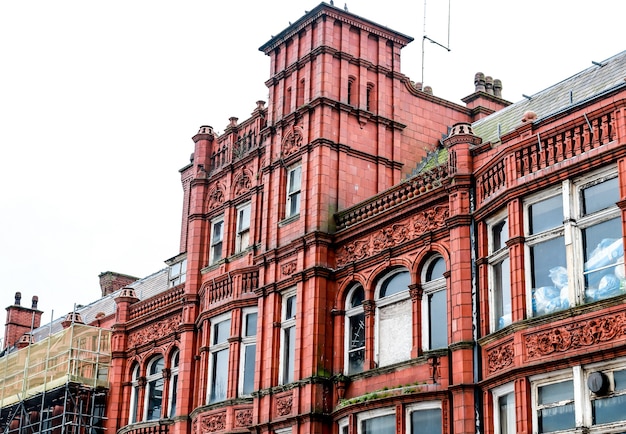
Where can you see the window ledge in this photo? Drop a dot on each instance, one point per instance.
(288, 220)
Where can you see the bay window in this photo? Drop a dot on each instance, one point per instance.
(574, 244)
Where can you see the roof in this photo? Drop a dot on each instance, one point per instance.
(590, 83)
(145, 288)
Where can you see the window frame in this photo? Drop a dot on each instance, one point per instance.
(151, 381)
(497, 255)
(173, 383)
(574, 224)
(246, 342)
(350, 313)
(215, 242)
(574, 375)
(421, 406)
(373, 414)
(242, 234)
(607, 368)
(214, 350)
(293, 193)
(286, 370)
(133, 411)
(387, 301)
(178, 273)
(431, 287)
(498, 393)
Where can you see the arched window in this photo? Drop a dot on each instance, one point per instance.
(173, 383)
(355, 331)
(134, 394)
(394, 318)
(434, 304)
(154, 388)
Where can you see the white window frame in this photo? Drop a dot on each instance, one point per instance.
(573, 293)
(352, 312)
(287, 325)
(606, 368)
(426, 405)
(497, 393)
(246, 341)
(173, 383)
(372, 414)
(216, 241)
(151, 379)
(496, 257)
(429, 288)
(293, 192)
(216, 348)
(342, 425)
(134, 395)
(178, 273)
(574, 375)
(387, 301)
(242, 239)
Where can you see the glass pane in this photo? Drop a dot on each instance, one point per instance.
(173, 396)
(502, 293)
(379, 425)
(500, 234)
(357, 297)
(356, 352)
(546, 214)
(248, 369)
(290, 309)
(556, 418)
(604, 260)
(506, 406)
(438, 319)
(549, 277)
(600, 196)
(156, 367)
(176, 359)
(294, 204)
(221, 332)
(219, 379)
(251, 324)
(356, 361)
(294, 179)
(244, 219)
(217, 232)
(426, 421)
(217, 252)
(289, 362)
(436, 269)
(397, 283)
(155, 396)
(557, 392)
(619, 378)
(611, 409)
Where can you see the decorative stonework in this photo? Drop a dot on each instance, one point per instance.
(243, 418)
(289, 268)
(500, 357)
(154, 331)
(216, 197)
(292, 142)
(243, 183)
(393, 235)
(284, 405)
(576, 335)
(213, 422)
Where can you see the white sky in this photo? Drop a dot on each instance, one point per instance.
(99, 101)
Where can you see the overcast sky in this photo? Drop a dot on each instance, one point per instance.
(99, 101)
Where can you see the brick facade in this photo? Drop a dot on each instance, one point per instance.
(362, 256)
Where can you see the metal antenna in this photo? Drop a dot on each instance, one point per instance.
(432, 41)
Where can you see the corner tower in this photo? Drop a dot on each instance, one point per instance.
(335, 89)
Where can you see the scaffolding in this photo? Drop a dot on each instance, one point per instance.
(57, 385)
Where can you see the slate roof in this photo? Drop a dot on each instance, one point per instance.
(145, 288)
(577, 89)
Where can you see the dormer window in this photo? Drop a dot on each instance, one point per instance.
(178, 272)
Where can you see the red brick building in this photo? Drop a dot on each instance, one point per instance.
(361, 256)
